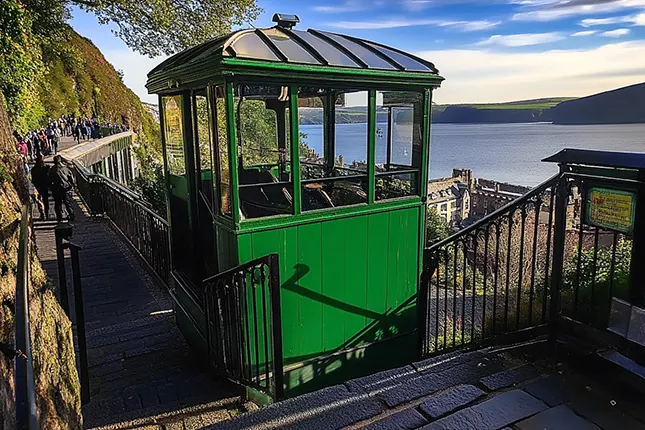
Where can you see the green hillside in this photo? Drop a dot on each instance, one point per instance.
(534, 104)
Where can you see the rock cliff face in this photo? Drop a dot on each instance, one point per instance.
(57, 388)
(622, 106)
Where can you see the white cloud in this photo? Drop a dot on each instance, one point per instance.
(636, 20)
(347, 6)
(547, 10)
(416, 5)
(619, 32)
(528, 39)
(488, 76)
(584, 33)
(135, 70)
(403, 22)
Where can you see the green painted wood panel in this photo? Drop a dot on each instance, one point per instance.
(356, 278)
(334, 294)
(309, 286)
(345, 282)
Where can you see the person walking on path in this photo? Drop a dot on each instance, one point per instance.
(77, 133)
(56, 141)
(40, 179)
(62, 182)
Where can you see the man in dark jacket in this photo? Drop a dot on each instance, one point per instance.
(62, 183)
(40, 179)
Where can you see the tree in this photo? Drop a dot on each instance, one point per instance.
(157, 27)
(436, 227)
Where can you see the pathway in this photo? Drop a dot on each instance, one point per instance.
(142, 372)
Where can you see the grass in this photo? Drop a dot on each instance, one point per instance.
(536, 104)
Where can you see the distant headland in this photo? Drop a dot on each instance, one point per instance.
(621, 106)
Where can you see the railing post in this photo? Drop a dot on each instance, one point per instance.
(429, 265)
(26, 415)
(62, 231)
(276, 324)
(560, 225)
(637, 268)
(80, 324)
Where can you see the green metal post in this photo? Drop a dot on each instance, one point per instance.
(371, 145)
(162, 112)
(232, 153)
(426, 143)
(425, 167)
(295, 148)
(329, 135)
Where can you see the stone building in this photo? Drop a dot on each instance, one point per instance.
(461, 198)
(450, 197)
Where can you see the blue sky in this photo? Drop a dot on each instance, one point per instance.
(488, 50)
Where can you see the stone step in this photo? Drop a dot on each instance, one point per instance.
(181, 418)
(632, 372)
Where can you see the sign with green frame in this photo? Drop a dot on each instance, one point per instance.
(611, 209)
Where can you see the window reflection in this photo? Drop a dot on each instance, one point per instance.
(174, 135)
(398, 144)
(204, 155)
(262, 117)
(333, 154)
(223, 172)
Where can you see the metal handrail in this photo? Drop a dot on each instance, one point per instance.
(118, 188)
(243, 305)
(26, 415)
(491, 216)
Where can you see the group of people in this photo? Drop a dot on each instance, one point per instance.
(46, 141)
(58, 180)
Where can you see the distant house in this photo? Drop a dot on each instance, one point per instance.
(450, 197)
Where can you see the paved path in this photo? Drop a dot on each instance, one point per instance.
(141, 369)
(484, 389)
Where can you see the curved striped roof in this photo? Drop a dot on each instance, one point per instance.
(311, 47)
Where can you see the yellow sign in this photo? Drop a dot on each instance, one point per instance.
(611, 209)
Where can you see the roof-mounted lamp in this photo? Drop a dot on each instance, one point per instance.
(285, 20)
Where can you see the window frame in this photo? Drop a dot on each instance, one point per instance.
(298, 216)
(234, 134)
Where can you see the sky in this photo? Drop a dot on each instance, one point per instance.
(488, 50)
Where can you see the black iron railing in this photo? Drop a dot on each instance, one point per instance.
(538, 266)
(491, 278)
(146, 231)
(244, 334)
(26, 415)
(142, 227)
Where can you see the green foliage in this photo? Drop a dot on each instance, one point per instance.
(436, 227)
(150, 183)
(5, 175)
(156, 27)
(594, 281)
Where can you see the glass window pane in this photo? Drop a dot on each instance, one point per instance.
(330, 53)
(399, 139)
(404, 60)
(293, 51)
(224, 174)
(174, 135)
(203, 134)
(368, 57)
(333, 161)
(262, 118)
(249, 45)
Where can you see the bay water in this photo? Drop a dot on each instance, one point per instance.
(504, 152)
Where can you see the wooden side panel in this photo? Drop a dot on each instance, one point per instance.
(345, 282)
(309, 287)
(334, 295)
(356, 276)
